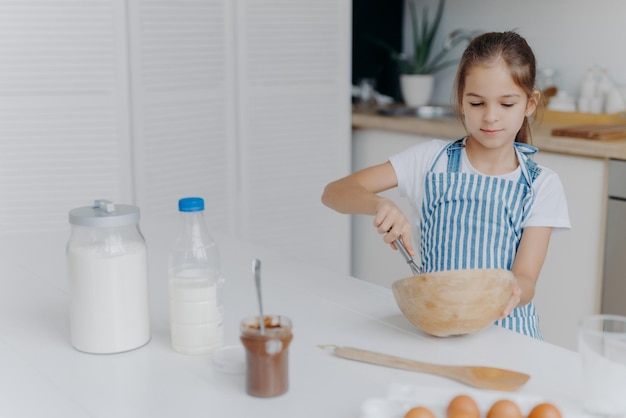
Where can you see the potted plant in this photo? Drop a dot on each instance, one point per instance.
(418, 69)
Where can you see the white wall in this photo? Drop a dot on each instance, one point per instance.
(566, 35)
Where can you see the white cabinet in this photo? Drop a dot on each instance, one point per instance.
(569, 284)
(242, 102)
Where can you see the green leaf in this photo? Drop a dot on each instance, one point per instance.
(424, 33)
(436, 68)
(417, 38)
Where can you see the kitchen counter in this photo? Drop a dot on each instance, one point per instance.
(42, 375)
(452, 128)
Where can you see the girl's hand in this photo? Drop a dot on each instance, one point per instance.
(514, 301)
(390, 221)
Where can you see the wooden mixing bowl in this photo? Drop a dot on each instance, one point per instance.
(454, 302)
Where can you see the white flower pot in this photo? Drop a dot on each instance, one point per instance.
(417, 89)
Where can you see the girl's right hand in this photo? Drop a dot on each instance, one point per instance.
(391, 222)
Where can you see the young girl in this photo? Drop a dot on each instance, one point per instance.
(480, 201)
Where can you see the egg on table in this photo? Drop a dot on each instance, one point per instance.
(545, 410)
(462, 406)
(504, 408)
(419, 412)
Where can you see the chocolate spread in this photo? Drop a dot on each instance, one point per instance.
(267, 355)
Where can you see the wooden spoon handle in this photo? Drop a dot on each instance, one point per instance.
(391, 361)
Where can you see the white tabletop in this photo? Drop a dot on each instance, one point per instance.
(42, 375)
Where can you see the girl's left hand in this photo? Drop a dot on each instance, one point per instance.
(514, 301)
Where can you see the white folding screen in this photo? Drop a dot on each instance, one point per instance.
(64, 137)
(293, 60)
(183, 84)
(243, 102)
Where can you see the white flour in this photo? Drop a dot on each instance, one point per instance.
(109, 298)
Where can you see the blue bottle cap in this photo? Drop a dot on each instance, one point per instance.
(191, 204)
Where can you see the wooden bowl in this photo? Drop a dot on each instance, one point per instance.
(454, 302)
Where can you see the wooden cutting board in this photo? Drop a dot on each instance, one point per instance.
(616, 131)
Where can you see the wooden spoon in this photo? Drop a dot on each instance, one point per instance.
(477, 376)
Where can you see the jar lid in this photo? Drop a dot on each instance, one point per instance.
(230, 359)
(104, 213)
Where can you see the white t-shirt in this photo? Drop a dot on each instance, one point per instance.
(412, 164)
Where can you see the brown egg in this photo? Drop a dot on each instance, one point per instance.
(462, 414)
(462, 405)
(545, 410)
(419, 412)
(504, 408)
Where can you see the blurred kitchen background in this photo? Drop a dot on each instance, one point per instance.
(566, 36)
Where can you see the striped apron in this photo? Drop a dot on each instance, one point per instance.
(476, 221)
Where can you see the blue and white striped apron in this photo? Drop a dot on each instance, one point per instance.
(476, 221)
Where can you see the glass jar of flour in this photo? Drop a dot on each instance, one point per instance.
(108, 278)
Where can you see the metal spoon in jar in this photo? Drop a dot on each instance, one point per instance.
(256, 270)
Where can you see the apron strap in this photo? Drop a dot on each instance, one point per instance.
(530, 169)
(454, 157)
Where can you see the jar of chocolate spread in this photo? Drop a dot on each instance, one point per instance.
(267, 361)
